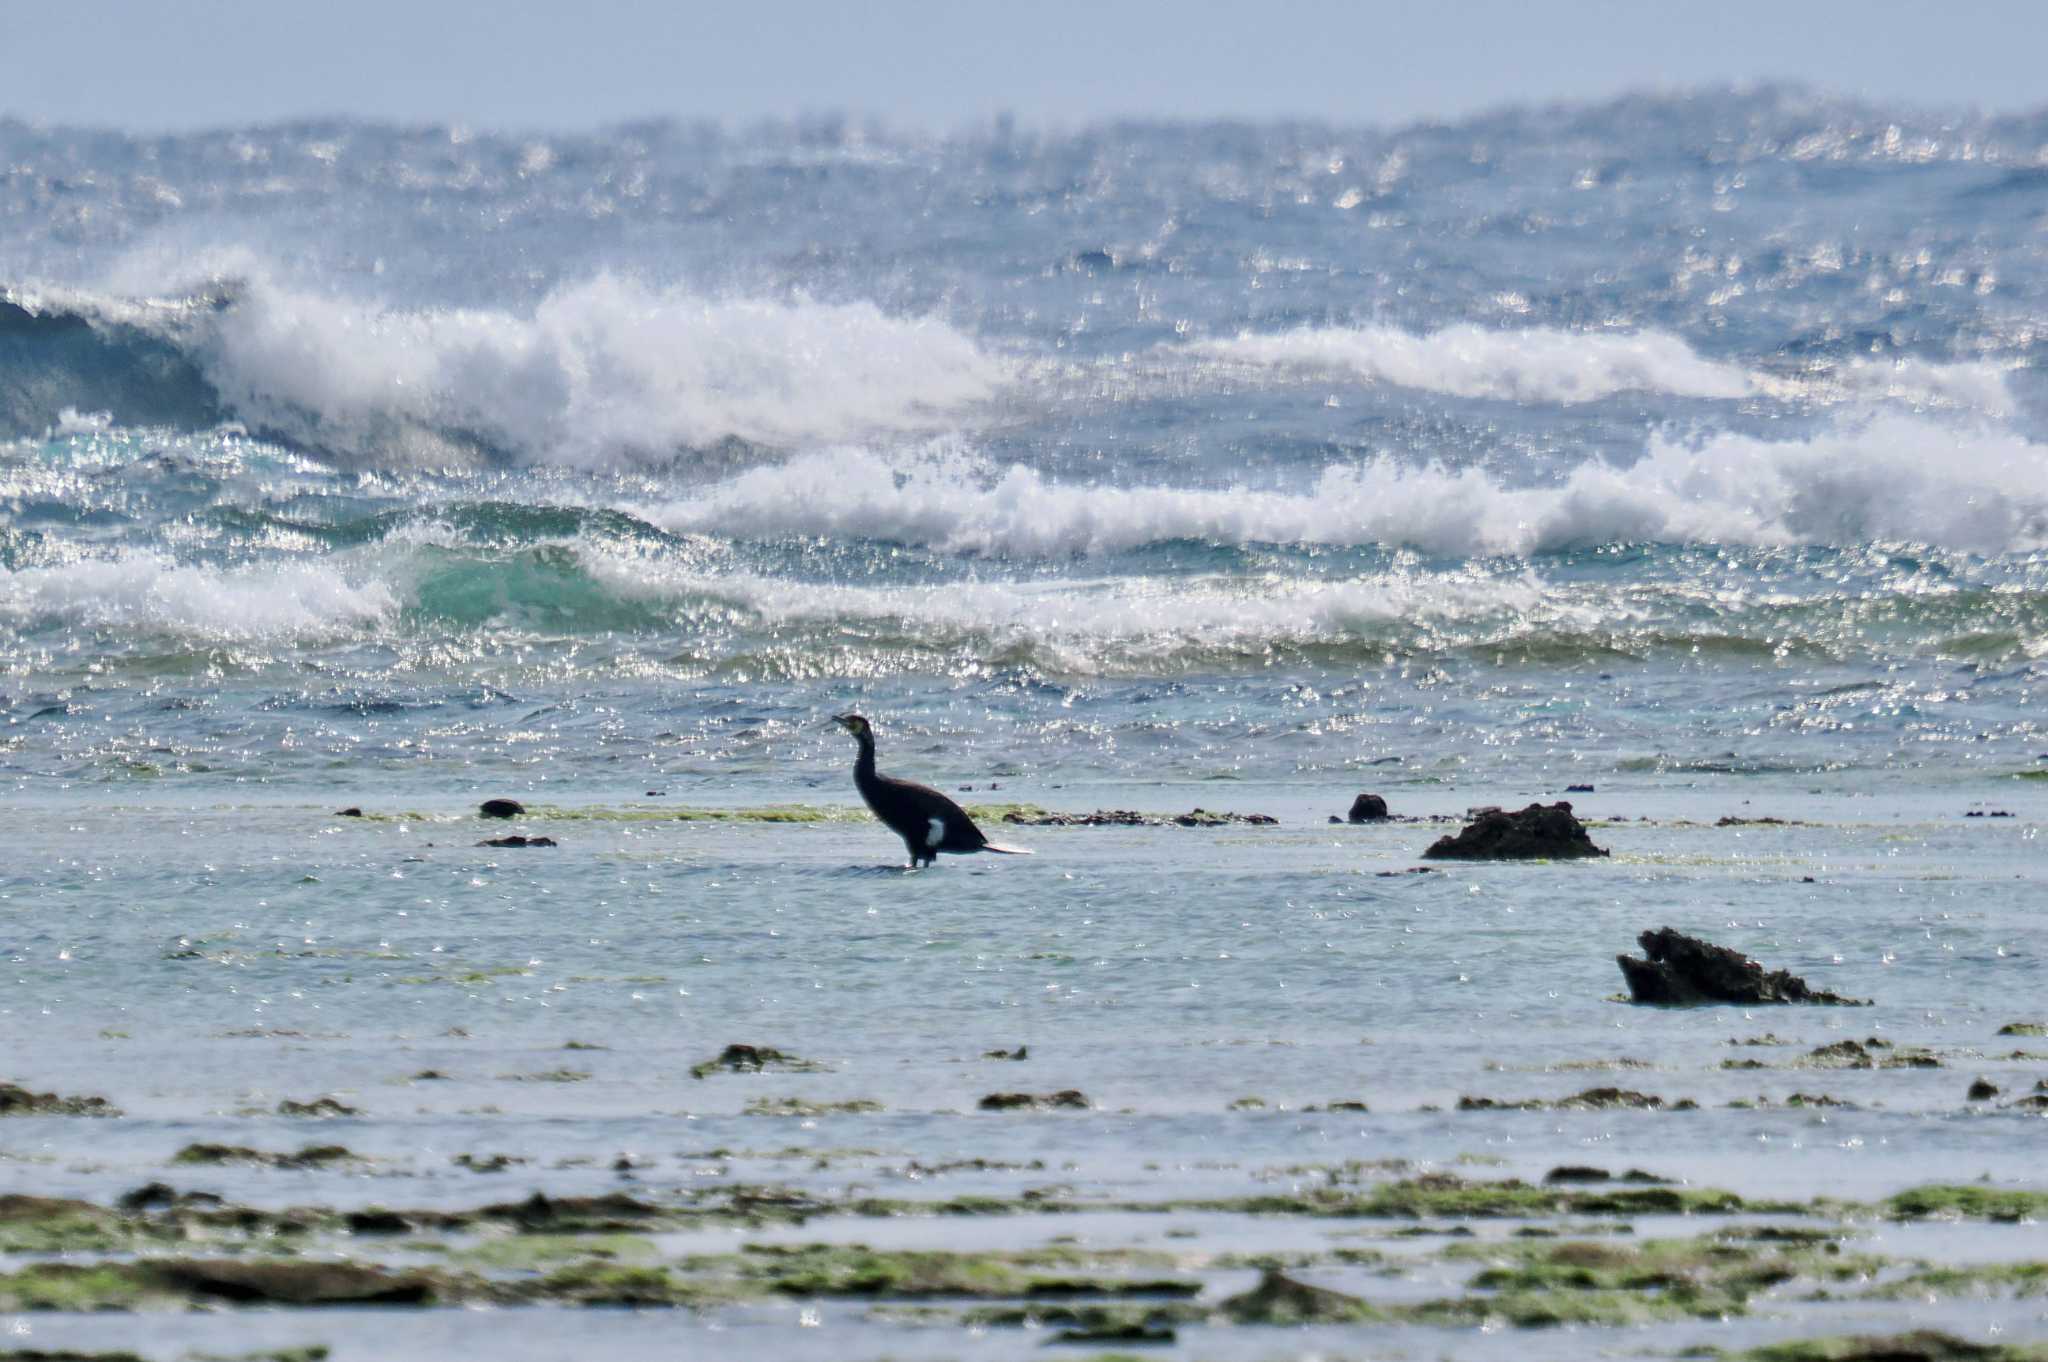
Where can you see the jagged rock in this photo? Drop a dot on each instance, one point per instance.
(1684, 971)
(1541, 831)
(501, 808)
(1983, 1090)
(517, 841)
(1367, 808)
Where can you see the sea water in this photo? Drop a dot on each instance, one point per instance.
(1683, 448)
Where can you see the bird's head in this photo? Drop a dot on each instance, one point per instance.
(854, 724)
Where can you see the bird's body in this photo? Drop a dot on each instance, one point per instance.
(927, 821)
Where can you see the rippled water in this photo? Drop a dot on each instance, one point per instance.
(1683, 448)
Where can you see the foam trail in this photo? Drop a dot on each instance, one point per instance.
(1898, 478)
(146, 592)
(1533, 364)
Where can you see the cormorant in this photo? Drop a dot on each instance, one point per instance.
(926, 820)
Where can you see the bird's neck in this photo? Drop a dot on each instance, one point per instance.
(864, 765)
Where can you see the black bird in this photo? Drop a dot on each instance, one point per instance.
(926, 820)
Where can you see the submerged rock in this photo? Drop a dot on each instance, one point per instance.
(501, 808)
(16, 1100)
(517, 841)
(1684, 971)
(1367, 808)
(1280, 1299)
(1539, 832)
(1067, 1098)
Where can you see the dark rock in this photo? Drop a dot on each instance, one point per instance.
(377, 1221)
(752, 1059)
(350, 812)
(1279, 1299)
(517, 841)
(292, 1283)
(1578, 789)
(1067, 1098)
(1021, 1052)
(1578, 1173)
(1983, 1090)
(1411, 870)
(539, 1213)
(16, 1100)
(1684, 971)
(1367, 808)
(319, 1106)
(501, 808)
(1546, 831)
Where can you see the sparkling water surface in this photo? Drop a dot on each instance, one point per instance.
(1686, 448)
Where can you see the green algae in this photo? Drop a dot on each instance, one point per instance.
(171, 1283)
(1967, 1201)
(2029, 1278)
(855, 1270)
(2025, 1028)
(312, 1156)
(529, 1252)
(1706, 1277)
(33, 1224)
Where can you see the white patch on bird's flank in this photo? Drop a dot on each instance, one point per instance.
(937, 834)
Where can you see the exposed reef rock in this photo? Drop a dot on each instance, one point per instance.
(1367, 808)
(1684, 971)
(1541, 831)
(16, 1100)
(501, 808)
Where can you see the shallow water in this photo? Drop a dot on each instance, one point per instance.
(1684, 448)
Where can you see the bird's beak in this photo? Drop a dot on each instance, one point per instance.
(839, 719)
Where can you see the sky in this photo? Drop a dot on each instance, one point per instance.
(153, 65)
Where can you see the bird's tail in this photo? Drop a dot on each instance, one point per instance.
(1001, 850)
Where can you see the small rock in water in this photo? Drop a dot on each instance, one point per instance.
(1685, 971)
(1983, 1090)
(1367, 808)
(1578, 1173)
(752, 1059)
(1019, 1053)
(350, 812)
(515, 840)
(1540, 831)
(1067, 1098)
(501, 808)
(1578, 789)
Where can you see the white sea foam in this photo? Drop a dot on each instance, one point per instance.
(1543, 364)
(601, 369)
(147, 592)
(1530, 364)
(1897, 478)
(1089, 624)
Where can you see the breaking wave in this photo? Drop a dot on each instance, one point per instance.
(601, 371)
(1897, 478)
